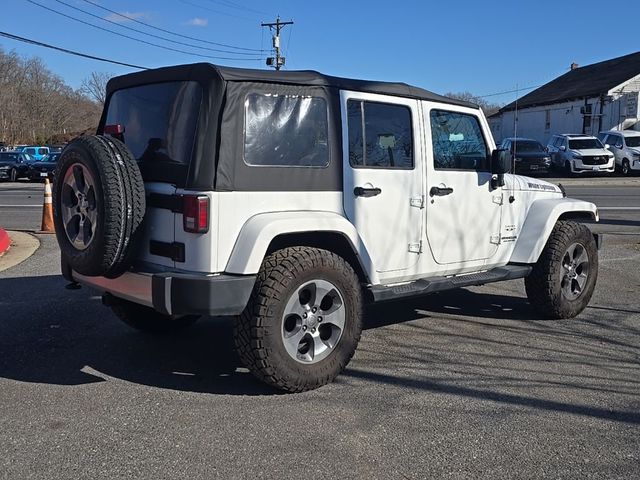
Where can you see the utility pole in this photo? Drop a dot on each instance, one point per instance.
(277, 61)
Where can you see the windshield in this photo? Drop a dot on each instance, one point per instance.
(585, 143)
(633, 141)
(527, 146)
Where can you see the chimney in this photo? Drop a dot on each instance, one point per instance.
(574, 65)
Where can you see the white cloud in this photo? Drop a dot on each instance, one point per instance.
(197, 22)
(114, 17)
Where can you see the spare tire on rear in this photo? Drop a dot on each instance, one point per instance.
(98, 205)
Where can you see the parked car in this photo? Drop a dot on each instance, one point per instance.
(579, 154)
(44, 168)
(528, 155)
(326, 193)
(36, 152)
(625, 146)
(13, 165)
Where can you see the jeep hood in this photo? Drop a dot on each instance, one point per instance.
(529, 184)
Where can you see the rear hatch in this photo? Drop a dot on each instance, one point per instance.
(158, 124)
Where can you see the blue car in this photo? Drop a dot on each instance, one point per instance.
(36, 152)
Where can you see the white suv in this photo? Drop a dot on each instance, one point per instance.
(625, 146)
(291, 199)
(579, 154)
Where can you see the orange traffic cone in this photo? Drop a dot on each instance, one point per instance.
(47, 210)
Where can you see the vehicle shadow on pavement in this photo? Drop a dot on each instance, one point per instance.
(56, 336)
(497, 348)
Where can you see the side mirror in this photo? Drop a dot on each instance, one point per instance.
(500, 161)
(563, 148)
(607, 146)
(500, 164)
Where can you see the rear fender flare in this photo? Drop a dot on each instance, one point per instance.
(258, 232)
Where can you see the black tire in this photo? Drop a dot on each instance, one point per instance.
(567, 168)
(147, 320)
(626, 167)
(258, 331)
(13, 175)
(119, 204)
(544, 286)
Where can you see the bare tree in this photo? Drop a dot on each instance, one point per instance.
(95, 86)
(36, 105)
(488, 107)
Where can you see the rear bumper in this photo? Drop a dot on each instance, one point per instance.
(176, 293)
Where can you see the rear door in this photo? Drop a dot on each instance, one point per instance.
(383, 178)
(159, 122)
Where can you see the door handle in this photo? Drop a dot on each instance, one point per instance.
(366, 192)
(440, 191)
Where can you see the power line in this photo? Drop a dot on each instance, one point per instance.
(219, 12)
(230, 4)
(70, 52)
(151, 34)
(134, 38)
(167, 31)
(509, 91)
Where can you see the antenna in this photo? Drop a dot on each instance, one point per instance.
(278, 61)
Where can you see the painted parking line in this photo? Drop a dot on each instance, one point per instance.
(21, 206)
(618, 208)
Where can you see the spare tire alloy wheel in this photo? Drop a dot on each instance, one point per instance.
(98, 205)
(78, 206)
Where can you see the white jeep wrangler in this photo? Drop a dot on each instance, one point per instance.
(291, 199)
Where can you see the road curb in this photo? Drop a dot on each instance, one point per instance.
(23, 246)
(5, 241)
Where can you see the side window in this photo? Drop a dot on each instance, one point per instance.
(285, 131)
(458, 142)
(616, 140)
(380, 135)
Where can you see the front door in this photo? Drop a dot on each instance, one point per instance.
(383, 176)
(463, 212)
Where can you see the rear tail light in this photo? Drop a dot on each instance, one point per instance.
(195, 213)
(115, 129)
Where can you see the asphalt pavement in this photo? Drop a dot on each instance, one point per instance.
(470, 383)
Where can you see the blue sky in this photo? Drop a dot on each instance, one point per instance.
(479, 46)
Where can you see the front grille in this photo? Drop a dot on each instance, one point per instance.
(595, 160)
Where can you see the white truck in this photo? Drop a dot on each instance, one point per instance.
(291, 199)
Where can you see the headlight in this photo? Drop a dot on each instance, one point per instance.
(518, 159)
(547, 160)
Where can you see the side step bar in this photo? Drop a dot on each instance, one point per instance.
(437, 284)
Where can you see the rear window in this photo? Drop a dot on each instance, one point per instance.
(159, 123)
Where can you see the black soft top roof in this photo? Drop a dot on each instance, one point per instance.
(206, 72)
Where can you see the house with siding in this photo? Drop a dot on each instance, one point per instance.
(587, 100)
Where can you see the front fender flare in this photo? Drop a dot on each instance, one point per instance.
(258, 232)
(541, 219)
